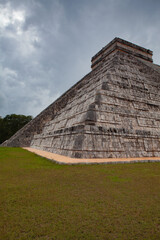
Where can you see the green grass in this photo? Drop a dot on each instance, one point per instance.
(46, 201)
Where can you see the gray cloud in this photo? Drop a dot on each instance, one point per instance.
(46, 46)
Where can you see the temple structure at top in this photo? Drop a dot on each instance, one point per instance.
(118, 44)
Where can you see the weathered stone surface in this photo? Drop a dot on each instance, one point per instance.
(114, 111)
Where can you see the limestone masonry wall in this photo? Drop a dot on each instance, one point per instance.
(114, 111)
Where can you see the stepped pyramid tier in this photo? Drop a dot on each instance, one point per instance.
(114, 111)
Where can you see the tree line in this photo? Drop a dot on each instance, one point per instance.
(10, 124)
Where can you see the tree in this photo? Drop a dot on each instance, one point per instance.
(10, 124)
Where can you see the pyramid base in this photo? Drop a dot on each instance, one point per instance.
(67, 160)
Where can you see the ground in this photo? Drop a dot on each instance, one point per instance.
(43, 200)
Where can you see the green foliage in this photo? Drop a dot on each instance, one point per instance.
(42, 200)
(10, 124)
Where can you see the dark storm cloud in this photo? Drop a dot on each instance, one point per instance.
(46, 46)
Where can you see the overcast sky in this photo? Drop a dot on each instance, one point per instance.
(46, 45)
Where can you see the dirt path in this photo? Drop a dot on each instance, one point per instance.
(67, 160)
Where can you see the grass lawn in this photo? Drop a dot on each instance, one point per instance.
(46, 201)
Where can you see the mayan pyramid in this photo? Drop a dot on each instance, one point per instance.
(114, 111)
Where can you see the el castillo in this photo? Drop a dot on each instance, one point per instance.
(113, 112)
